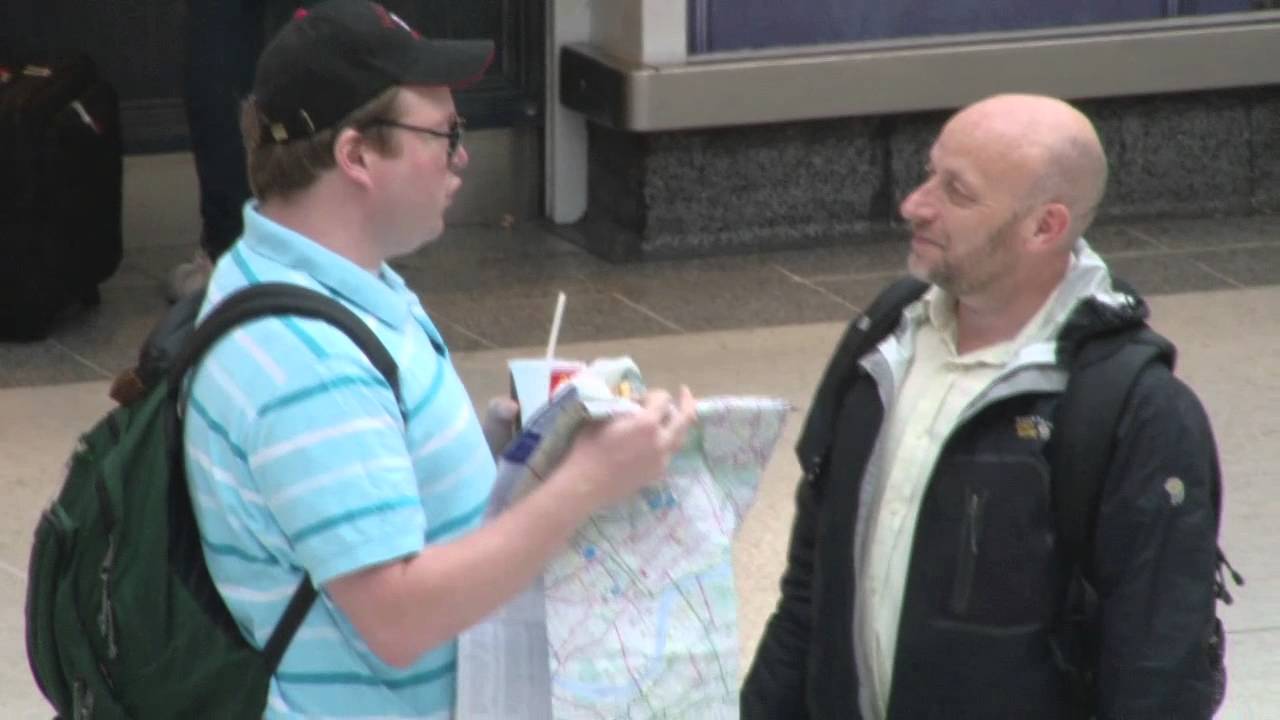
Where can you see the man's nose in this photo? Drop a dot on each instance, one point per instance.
(916, 205)
(460, 158)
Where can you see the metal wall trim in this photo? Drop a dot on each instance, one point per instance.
(915, 75)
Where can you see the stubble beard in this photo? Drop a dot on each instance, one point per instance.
(972, 274)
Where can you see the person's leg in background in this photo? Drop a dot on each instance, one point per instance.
(224, 38)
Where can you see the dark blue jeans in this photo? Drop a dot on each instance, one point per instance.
(224, 38)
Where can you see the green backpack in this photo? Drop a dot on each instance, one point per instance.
(122, 618)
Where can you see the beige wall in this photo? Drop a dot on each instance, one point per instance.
(653, 32)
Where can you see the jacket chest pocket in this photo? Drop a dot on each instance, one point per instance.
(994, 539)
(968, 547)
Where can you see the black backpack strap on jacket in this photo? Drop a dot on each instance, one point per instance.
(1098, 388)
(1102, 376)
(863, 333)
(254, 302)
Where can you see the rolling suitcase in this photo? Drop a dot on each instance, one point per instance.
(61, 186)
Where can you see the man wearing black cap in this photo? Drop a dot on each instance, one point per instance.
(299, 458)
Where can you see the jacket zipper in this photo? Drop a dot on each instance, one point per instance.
(967, 557)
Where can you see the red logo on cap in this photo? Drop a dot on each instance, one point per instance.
(300, 13)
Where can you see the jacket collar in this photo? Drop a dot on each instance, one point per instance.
(1086, 303)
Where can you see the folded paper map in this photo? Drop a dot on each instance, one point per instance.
(638, 618)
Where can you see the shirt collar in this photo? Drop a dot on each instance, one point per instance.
(385, 295)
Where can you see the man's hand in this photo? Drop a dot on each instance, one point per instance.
(613, 460)
(403, 609)
(499, 423)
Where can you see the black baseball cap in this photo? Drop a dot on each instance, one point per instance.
(332, 58)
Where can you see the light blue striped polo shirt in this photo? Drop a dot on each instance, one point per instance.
(298, 458)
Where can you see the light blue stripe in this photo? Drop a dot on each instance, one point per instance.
(242, 263)
(305, 338)
(443, 672)
(218, 430)
(437, 382)
(234, 552)
(352, 515)
(433, 334)
(321, 388)
(460, 521)
(237, 256)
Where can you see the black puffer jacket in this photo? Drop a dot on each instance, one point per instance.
(986, 578)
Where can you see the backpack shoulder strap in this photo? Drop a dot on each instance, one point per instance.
(270, 299)
(863, 333)
(253, 302)
(1101, 379)
(1100, 386)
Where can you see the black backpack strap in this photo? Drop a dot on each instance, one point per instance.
(251, 303)
(1102, 375)
(294, 613)
(863, 333)
(1098, 389)
(269, 299)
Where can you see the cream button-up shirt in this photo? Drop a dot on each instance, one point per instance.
(938, 386)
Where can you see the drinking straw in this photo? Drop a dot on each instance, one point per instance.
(555, 327)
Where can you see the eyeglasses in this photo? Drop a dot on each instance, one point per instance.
(454, 135)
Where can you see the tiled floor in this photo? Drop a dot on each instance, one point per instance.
(759, 324)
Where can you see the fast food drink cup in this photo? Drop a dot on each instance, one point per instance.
(535, 380)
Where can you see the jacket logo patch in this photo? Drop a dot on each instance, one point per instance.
(1032, 427)
(1177, 491)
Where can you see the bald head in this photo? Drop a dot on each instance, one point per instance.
(1049, 150)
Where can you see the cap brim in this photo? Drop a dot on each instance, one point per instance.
(453, 63)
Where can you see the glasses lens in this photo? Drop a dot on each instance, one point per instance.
(455, 136)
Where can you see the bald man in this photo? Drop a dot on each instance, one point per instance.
(924, 575)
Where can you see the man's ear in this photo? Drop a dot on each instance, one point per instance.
(1051, 225)
(350, 154)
